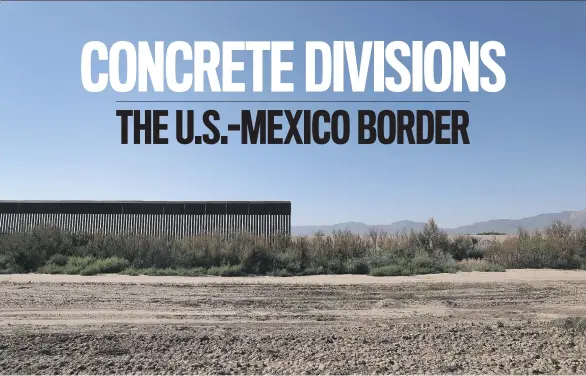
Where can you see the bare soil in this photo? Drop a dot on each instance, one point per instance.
(516, 322)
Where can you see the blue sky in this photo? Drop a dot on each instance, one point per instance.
(526, 155)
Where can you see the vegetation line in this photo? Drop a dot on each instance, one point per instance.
(50, 250)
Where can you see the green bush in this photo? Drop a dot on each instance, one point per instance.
(357, 267)
(58, 260)
(390, 270)
(53, 269)
(107, 265)
(157, 271)
(281, 273)
(227, 271)
(462, 247)
(84, 265)
(557, 246)
(312, 270)
(132, 271)
(76, 264)
(420, 264)
(49, 250)
(258, 260)
(479, 266)
(8, 265)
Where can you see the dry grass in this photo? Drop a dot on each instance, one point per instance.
(378, 253)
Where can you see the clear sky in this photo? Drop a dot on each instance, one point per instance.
(527, 151)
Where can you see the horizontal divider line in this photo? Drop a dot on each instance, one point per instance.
(292, 101)
(300, 1)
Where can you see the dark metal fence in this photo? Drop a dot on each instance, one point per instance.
(162, 219)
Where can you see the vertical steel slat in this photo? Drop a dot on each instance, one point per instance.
(222, 219)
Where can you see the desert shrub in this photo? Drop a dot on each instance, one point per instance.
(477, 251)
(184, 272)
(58, 260)
(227, 271)
(132, 271)
(390, 270)
(438, 263)
(109, 265)
(420, 264)
(90, 270)
(31, 250)
(281, 273)
(474, 265)
(140, 251)
(76, 264)
(153, 252)
(423, 265)
(357, 266)
(313, 270)
(332, 251)
(257, 259)
(290, 259)
(50, 250)
(557, 246)
(189, 253)
(301, 248)
(211, 250)
(502, 253)
(8, 265)
(463, 247)
(84, 265)
(433, 239)
(53, 269)
(333, 266)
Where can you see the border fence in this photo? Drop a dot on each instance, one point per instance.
(169, 219)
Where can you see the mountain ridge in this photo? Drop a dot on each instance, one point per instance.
(508, 226)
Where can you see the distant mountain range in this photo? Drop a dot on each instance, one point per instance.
(508, 226)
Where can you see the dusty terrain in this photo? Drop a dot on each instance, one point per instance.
(518, 322)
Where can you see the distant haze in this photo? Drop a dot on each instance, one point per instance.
(508, 226)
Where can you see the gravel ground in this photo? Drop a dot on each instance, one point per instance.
(525, 322)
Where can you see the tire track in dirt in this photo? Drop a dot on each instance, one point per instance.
(504, 327)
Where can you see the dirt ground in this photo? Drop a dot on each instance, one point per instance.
(517, 322)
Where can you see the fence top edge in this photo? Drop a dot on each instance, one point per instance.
(135, 202)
